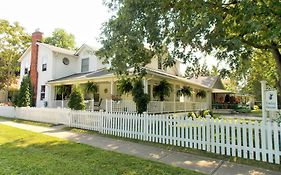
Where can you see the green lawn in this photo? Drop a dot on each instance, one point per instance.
(24, 152)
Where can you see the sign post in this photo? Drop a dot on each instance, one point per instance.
(263, 89)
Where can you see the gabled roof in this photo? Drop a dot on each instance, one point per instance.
(24, 53)
(85, 46)
(158, 72)
(51, 47)
(206, 81)
(57, 49)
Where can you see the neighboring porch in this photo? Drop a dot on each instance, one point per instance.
(109, 99)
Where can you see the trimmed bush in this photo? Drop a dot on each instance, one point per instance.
(140, 98)
(24, 97)
(76, 100)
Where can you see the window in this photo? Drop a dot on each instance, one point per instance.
(65, 61)
(26, 71)
(44, 64)
(44, 67)
(160, 65)
(42, 95)
(85, 65)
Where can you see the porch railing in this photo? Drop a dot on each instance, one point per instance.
(129, 106)
(155, 106)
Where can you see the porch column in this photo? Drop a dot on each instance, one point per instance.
(175, 93)
(111, 93)
(145, 86)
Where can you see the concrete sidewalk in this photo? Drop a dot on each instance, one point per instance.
(179, 159)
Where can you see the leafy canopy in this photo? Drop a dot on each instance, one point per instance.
(228, 29)
(13, 41)
(60, 38)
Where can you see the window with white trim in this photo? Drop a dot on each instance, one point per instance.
(85, 65)
(42, 94)
(44, 64)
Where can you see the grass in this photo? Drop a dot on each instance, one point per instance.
(29, 122)
(239, 160)
(25, 152)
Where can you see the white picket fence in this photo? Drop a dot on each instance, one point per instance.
(242, 138)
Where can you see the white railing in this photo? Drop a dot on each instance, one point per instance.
(169, 106)
(233, 137)
(58, 104)
(127, 106)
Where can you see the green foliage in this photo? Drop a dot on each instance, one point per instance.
(91, 87)
(162, 90)
(60, 38)
(260, 67)
(13, 42)
(76, 100)
(185, 91)
(229, 30)
(63, 90)
(201, 94)
(14, 96)
(124, 85)
(140, 98)
(24, 97)
(194, 69)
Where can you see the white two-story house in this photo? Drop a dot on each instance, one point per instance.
(50, 67)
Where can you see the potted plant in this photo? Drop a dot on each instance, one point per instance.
(162, 90)
(201, 94)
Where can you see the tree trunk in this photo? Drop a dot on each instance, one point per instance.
(277, 56)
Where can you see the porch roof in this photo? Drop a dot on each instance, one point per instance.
(158, 72)
(221, 91)
(83, 76)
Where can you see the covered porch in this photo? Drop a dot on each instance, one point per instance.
(109, 99)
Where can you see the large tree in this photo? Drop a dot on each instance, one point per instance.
(61, 38)
(195, 69)
(229, 29)
(13, 42)
(260, 67)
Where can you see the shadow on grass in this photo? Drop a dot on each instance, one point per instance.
(62, 157)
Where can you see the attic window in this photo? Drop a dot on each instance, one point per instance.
(65, 61)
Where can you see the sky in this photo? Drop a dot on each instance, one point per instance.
(82, 18)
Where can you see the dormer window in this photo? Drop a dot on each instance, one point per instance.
(85, 65)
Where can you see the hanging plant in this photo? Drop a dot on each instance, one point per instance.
(201, 94)
(91, 88)
(124, 85)
(162, 90)
(185, 91)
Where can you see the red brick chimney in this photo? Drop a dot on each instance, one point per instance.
(36, 36)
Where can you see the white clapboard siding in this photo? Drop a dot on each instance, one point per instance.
(249, 139)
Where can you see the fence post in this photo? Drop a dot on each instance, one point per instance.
(208, 132)
(162, 106)
(15, 112)
(106, 106)
(145, 126)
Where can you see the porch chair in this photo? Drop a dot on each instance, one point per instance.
(97, 107)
